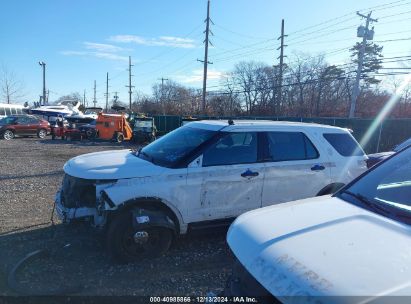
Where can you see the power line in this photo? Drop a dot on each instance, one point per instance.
(240, 34)
(174, 48)
(375, 8)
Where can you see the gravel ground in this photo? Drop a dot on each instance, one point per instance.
(30, 174)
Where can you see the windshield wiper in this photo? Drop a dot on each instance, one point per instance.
(376, 206)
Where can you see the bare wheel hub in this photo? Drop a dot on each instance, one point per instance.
(141, 237)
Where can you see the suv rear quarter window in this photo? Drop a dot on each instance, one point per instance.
(344, 144)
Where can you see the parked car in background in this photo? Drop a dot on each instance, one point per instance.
(144, 130)
(23, 125)
(355, 243)
(88, 130)
(200, 175)
(377, 157)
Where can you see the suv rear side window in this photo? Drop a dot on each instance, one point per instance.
(344, 144)
(233, 148)
(285, 146)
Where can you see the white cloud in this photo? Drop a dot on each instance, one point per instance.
(168, 41)
(196, 76)
(103, 55)
(73, 53)
(110, 56)
(101, 47)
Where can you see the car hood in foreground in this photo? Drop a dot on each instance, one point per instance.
(115, 164)
(323, 247)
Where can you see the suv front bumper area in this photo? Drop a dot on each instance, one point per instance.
(67, 215)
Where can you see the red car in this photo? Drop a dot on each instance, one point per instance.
(23, 125)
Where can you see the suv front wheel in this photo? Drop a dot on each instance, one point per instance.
(128, 244)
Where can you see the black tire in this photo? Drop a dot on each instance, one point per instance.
(53, 137)
(90, 134)
(62, 137)
(119, 137)
(124, 249)
(42, 133)
(8, 135)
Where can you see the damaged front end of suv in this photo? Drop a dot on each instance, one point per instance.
(83, 199)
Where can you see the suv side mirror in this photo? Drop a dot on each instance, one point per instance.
(197, 163)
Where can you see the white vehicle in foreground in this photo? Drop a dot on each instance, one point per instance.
(205, 173)
(354, 246)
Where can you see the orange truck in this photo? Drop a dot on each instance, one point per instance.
(113, 127)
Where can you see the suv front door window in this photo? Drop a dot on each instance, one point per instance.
(230, 180)
(234, 148)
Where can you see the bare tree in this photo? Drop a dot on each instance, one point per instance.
(11, 87)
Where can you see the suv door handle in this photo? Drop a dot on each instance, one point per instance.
(317, 168)
(249, 173)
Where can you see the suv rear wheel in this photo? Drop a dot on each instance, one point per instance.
(128, 244)
(42, 133)
(8, 134)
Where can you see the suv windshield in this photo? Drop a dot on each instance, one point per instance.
(138, 124)
(170, 149)
(386, 189)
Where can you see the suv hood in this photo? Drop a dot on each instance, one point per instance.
(115, 164)
(323, 247)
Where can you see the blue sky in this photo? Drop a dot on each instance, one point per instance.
(81, 41)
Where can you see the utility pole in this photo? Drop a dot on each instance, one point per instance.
(95, 100)
(107, 93)
(129, 80)
(366, 34)
(162, 94)
(281, 48)
(205, 61)
(43, 65)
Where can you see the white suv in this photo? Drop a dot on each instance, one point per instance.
(204, 173)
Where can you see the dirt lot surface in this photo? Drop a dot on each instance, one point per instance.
(30, 174)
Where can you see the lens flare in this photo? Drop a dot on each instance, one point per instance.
(385, 111)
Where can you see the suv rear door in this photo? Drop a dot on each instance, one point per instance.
(33, 125)
(230, 180)
(295, 167)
